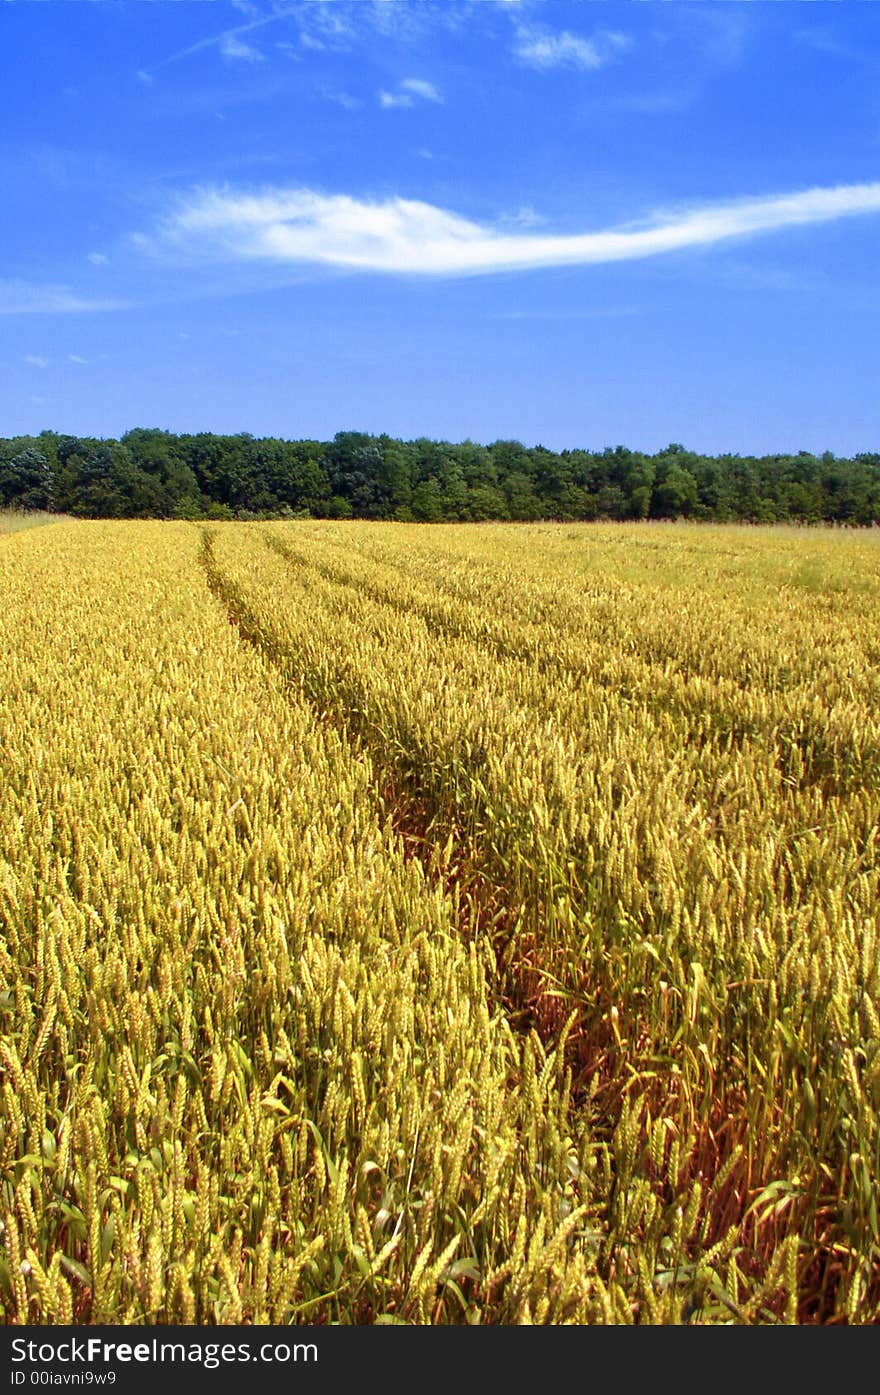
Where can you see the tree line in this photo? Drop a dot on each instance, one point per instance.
(150, 473)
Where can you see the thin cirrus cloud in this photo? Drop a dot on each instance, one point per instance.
(234, 49)
(27, 298)
(545, 49)
(409, 237)
(228, 41)
(409, 91)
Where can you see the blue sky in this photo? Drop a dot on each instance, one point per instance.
(575, 224)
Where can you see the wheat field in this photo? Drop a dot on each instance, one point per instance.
(455, 924)
(13, 520)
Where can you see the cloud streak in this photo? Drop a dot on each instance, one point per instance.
(420, 88)
(25, 298)
(229, 42)
(409, 237)
(408, 91)
(544, 49)
(234, 49)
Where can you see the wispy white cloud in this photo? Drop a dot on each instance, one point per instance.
(544, 49)
(419, 88)
(228, 41)
(329, 26)
(25, 298)
(408, 92)
(75, 358)
(36, 360)
(236, 50)
(342, 99)
(524, 217)
(395, 99)
(98, 258)
(824, 40)
(407, 236)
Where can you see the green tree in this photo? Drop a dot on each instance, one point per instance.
(485, 502)
(676, 494)
(523, 503)
(427, 502)
(27, 481)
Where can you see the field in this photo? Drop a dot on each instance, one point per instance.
(13, 520)
(456, 924)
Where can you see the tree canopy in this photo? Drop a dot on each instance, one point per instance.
(151, 473)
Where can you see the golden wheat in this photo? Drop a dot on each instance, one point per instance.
(439, 924)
